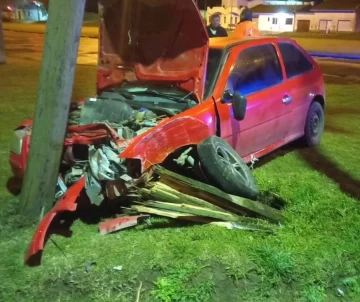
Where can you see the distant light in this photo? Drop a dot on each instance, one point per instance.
(281, 14)
(9, 8)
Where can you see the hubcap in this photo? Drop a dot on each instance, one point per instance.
(226, 157)
(315, 124)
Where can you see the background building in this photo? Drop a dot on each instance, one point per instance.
(330, 16)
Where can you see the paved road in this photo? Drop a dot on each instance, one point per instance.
(28, 46)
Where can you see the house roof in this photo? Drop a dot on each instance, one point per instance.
(273, 9)
(341, 5)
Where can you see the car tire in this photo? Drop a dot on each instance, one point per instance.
(314, 125)
(225, 168)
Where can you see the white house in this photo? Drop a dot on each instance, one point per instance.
(252, 3)
(238, 3)
(271, 15)
(276, 18)
(331, 15)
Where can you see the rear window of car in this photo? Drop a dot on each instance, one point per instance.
(256, 69)
(296, 63)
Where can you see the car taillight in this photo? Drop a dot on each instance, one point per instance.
(17, 140)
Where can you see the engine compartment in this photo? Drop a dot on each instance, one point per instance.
(120, 115)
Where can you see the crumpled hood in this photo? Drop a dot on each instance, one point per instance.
(152, 40)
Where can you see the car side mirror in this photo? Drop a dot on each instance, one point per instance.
(238, 101)
(239, 104)
(227, 96)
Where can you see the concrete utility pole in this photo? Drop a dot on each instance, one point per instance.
(2, 40)
(54, 96)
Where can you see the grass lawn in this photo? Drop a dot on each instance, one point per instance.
(314, 256)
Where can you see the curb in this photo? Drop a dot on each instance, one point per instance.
(335, 56)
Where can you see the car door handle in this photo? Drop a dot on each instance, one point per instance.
(287, 99)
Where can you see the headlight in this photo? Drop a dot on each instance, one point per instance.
(16, 142)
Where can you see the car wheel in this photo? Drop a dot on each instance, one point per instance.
(315, 123)
(225, 168)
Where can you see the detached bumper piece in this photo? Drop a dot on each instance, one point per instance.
(68, 203)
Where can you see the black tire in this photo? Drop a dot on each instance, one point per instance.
(226, 169)
(314, 125)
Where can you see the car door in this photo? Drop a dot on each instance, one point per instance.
(300, 87)
(256, 74)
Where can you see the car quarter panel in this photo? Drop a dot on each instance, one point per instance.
(302, 85)
(188, 128)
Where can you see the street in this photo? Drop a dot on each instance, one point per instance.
(29, 46)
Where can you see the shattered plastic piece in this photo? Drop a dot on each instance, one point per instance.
(119, 223)
(118, 268)
(76, 171)
(60, 188)
(340, 292)
(100, 165)
(111, 155)
(184, 157)
(88, 265)
(126, 177)
(93, 189)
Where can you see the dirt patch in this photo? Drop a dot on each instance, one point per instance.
(225, 288)
(148, 278)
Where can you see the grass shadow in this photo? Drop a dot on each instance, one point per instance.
(13, 185)
(321, 163)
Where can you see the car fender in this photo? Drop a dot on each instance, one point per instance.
(68, 203)
(154, 146)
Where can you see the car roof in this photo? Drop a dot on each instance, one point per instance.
(222, 43)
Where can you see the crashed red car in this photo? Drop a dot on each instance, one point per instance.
(168, 95)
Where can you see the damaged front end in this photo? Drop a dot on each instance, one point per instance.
(99, 132)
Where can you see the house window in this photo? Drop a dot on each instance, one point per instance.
(269, 19)
(274, 21)
(289, 21)
(28, 13)
(224, 19)
(236, 20)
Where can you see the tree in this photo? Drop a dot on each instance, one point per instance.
(56, 81)
(2, 40)
(2, 44)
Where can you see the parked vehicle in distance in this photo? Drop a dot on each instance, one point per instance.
(163, 88)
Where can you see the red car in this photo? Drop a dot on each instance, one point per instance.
(168, 95)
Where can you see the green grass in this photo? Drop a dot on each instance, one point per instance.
(313, 254)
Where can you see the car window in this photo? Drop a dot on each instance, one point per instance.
(295, 61)
(256, 69)
(213, 63)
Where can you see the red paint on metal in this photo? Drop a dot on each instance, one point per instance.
(155, 145)
(67, 204)
(119, 223)
(163, 41)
